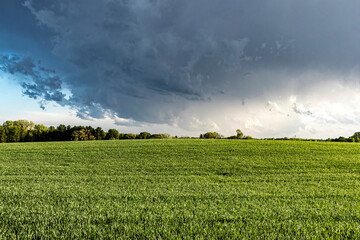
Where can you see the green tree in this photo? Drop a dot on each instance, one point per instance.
(356, 135)
(24, 126)
(13, 131)
(128, 136)
(60, 133)
(112, 134)
(161, 136)
(79, 135)
(341, 139)
(99, 134)
(212, 135)
(144, 135)
(83, 134)
(239, 134)
(3, 135)
(40, 132)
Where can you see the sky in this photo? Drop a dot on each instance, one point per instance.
(280, 68)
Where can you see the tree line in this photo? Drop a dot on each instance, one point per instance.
(27, 131)
(354, 138)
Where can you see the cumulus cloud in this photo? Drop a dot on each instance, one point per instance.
(168, 61)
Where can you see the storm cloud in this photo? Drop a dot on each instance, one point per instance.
(37, 82)
(174, 62)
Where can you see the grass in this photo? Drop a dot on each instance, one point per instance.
(188, 189)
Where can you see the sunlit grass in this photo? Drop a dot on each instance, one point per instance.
(180, 189)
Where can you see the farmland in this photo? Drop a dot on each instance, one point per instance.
(180, 189)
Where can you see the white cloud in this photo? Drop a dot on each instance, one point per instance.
(253, 124)
(273, 106)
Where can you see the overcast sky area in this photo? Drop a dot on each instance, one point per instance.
(271, 68)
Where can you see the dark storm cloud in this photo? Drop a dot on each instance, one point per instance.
(37, 82)
(150, 59)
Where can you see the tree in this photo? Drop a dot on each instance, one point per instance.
(24, 127)
(99, 134)
(30, 133)
(83, 134)
(79, 135)
(128, 136)
(341, 139)
(112, 134)
(212, 135)
(91, 130)
(40, 132)
(60, 133)
(161, 136)
(2, 134)
(239, 134)
(356, 135)
(13, 131)
(144, 135)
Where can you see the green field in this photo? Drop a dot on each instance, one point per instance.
(190, 189)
